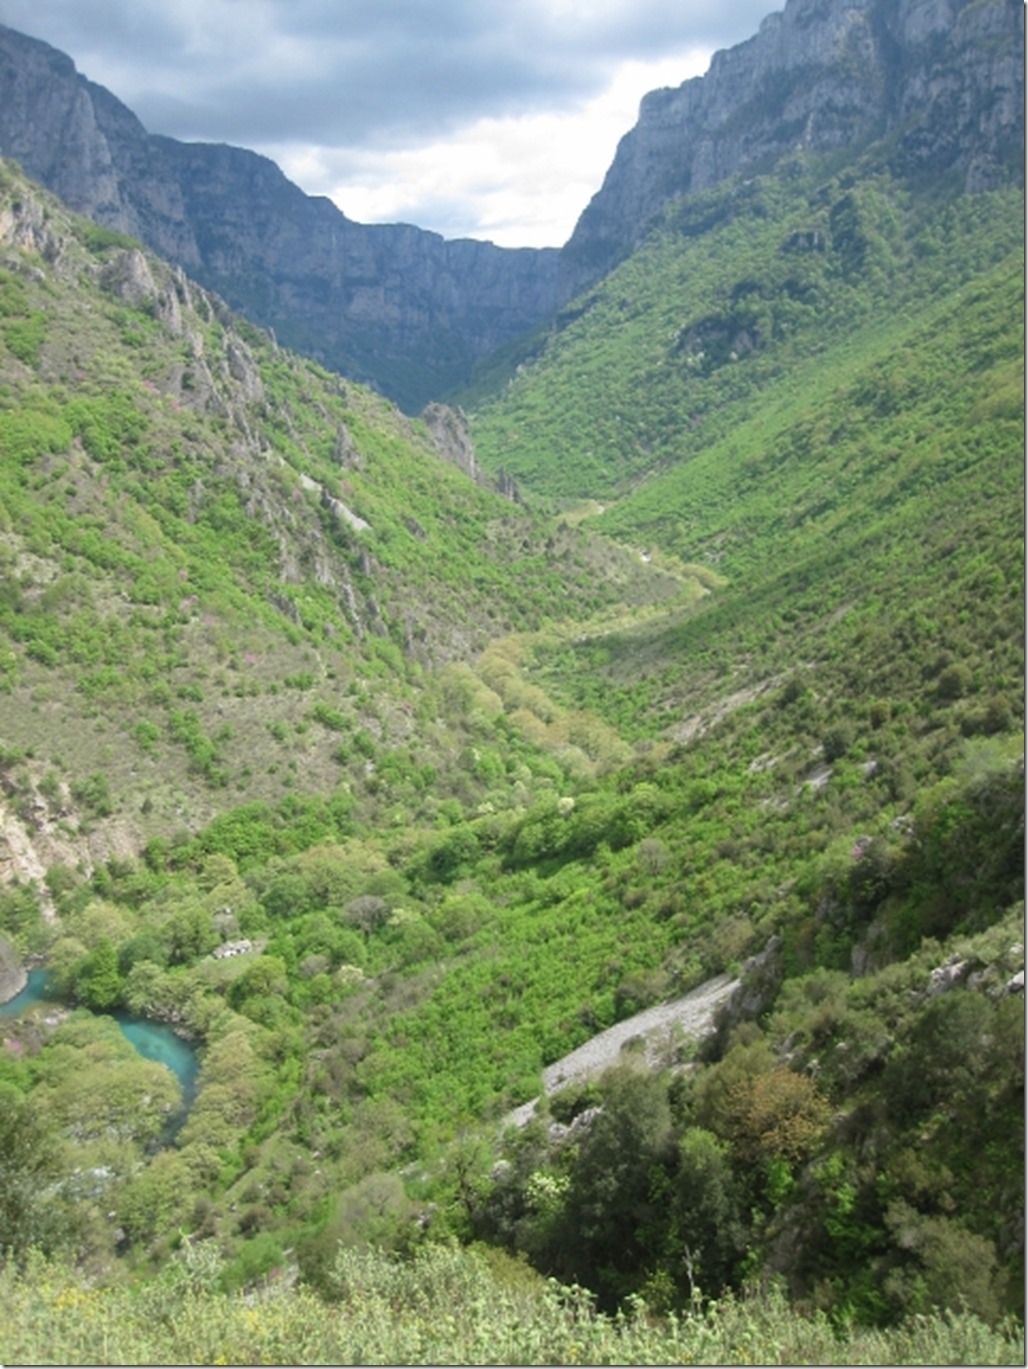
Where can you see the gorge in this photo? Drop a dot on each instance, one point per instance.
(936, 85)
(674, 670)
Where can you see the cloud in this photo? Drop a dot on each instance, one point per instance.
(520, 181)
(341, 87)
(388, 71)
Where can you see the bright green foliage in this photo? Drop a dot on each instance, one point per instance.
(465, 786)
(97, 983)
(696, 330)
(194, 533)
(94, 1085)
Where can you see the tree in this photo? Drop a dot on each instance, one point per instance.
(98, 982)
(30, 1216)
(157, 1198)
(780, 1115)
(266, 978)
(367, 913)
(615, 1208)
(946, 1266)
(945, 1060)
(191, 934)
(707, 1229)
(288, 895)
(66, 955)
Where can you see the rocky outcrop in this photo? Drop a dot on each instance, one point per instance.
(942, 81)
(13, 977)
(391, 305)
(753, 993)
(451, 437)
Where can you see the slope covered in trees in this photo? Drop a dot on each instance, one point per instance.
(223, 566)
(812, 385)
(474, 783)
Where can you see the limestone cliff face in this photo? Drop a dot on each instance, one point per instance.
(393, 305)
(450, 435)
(937, 85)
(941, 80)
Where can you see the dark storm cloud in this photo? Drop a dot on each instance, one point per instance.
(371, 73)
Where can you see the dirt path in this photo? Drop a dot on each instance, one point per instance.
(691, 1016)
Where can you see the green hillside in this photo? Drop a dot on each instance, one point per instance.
(737, 689)
(746, 303)
(225, 569)
(812, 389)
(857, 489)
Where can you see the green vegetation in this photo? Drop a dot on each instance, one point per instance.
(452, 792)
(747, 306)
(448, 1306)
(182, 583)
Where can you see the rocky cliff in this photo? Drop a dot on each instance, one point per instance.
(392, 305)
(937, 85)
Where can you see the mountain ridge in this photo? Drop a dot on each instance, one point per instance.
(942, 79)
(411, 313)
(391, 304)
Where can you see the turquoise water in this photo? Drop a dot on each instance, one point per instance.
(153, 1040)
(156, 1041)
(33, 992)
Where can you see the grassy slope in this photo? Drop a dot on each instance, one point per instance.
(728, 316)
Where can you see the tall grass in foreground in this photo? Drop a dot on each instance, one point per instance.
(446, 1306)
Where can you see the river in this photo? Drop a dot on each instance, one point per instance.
(153, 1040)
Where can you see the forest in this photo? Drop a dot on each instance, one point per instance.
(733, 687)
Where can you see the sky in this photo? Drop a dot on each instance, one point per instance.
(493, 119)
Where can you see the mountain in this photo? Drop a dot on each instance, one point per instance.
(392, 305)
(938, 84)
(941, 82)
(203, 537)
(391, 792)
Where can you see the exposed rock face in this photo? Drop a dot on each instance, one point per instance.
(393, 305)
(451, 437)
(12, 972)
(753, 992)
(943, 79)
(450, 434)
